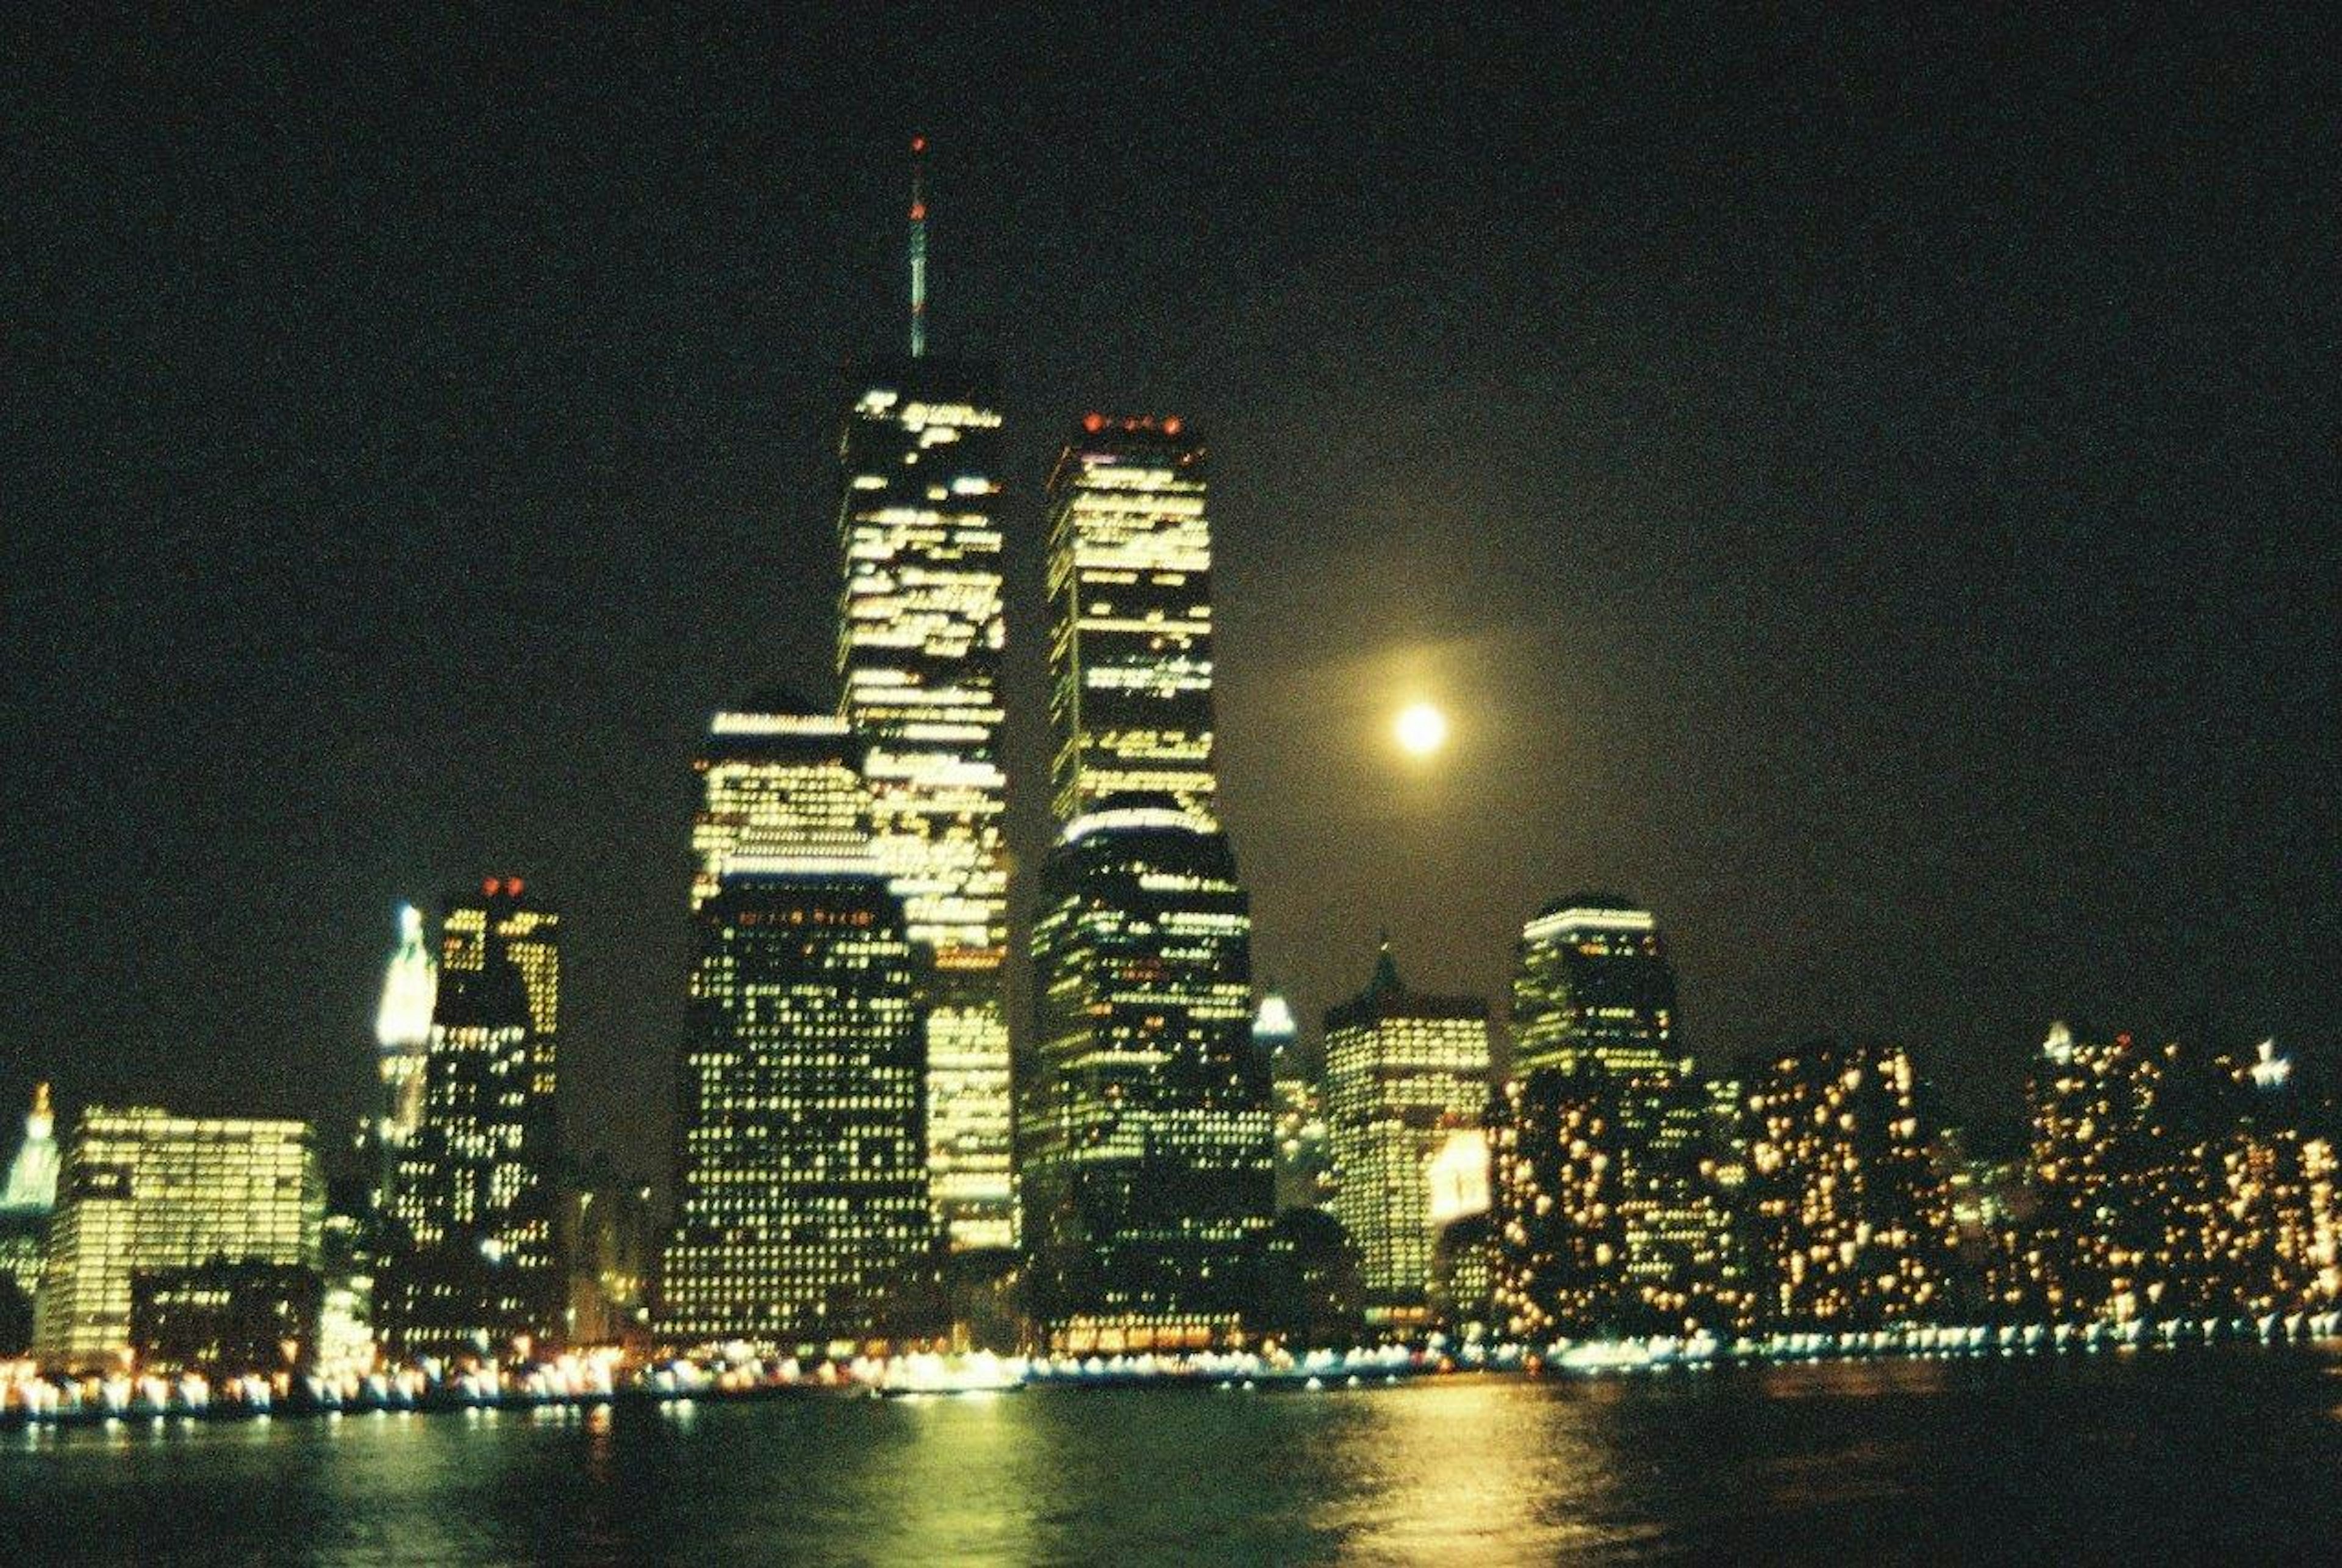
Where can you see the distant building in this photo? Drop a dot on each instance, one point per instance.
(473, 1266)
(1462, 1281)
(2167, 1184)
(1304, 1163)
(402, 1032)
(1143, 1120)
(803, 1218)
(2120, 1187)
(1609, 1189)
(32, 1186)
(1403, 1072)
(1310, 1294)
(1593, 985)
(145, 1194)
(226, 1317)
(1850, 1228)
(608, 1244)
(921, 634)
(25, 1202)
(1130, 645)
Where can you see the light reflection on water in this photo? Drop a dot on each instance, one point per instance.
(1909, 1461)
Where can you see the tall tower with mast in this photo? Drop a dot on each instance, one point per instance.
(921, 629)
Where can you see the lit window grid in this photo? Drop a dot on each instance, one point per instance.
(188, 1191)
(1146, 1125)
(802, 1190)
(1395, 1088)
(1130, 648)
(922, 627)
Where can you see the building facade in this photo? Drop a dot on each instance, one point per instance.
(1143, 1123)
(146, 1193)
(1130, 645)
(26, 1199)
(1404, 1073)
(402, 1033)
(921, 634)
(475, 1264)
(1304, 1163)
(1850, 1228)
(1610, 1136)
(803, 1219)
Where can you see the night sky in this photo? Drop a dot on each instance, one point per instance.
(1865, 486)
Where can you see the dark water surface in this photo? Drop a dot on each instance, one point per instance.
(2187, 1457)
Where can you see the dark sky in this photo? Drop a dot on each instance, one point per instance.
(1867, 486)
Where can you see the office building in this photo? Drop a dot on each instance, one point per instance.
(474, 1267)
(1615, 1138)
(1849, 1225)
(1144, 1116)
(1304, 1162)
(803, 1219)
(146, 1193)
(1130, 644)
(1404, 1071)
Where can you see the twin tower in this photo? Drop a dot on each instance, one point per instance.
(849, 1112)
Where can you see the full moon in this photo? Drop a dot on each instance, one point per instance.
(1422, 729)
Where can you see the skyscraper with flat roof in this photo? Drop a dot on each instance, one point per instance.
(1130, 595)
(146, 1196)
(801, 1184)
(1605, 1213)
(1144, 1115)
(474, 1198)
(1594, 985)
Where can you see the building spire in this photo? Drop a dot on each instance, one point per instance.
(919, 247)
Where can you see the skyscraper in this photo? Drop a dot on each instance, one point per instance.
(1610, 1135)
(1850, 1227)
(2122, 1178)
(402, 1032)
(25, 1202)
(1143, 1119)
(148, 1197)
(1305, 1167)
(921, 631)
(32, 1182)
(801, 1212)
(1594, 985)
(473, 1197)
(1130, 644)
(1403, 1072)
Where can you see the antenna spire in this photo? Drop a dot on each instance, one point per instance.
(918, 246)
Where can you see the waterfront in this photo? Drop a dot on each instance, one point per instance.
(2187, 1454)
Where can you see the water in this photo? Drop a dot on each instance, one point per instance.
(2192, 1456)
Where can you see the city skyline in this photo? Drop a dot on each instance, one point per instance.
(2161, 864)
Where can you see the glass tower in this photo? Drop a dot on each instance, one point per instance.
(921, 630)
(473, 1194)
(1130, 647)
(147, 1195)
(1144, 1117)
(802, 1206)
